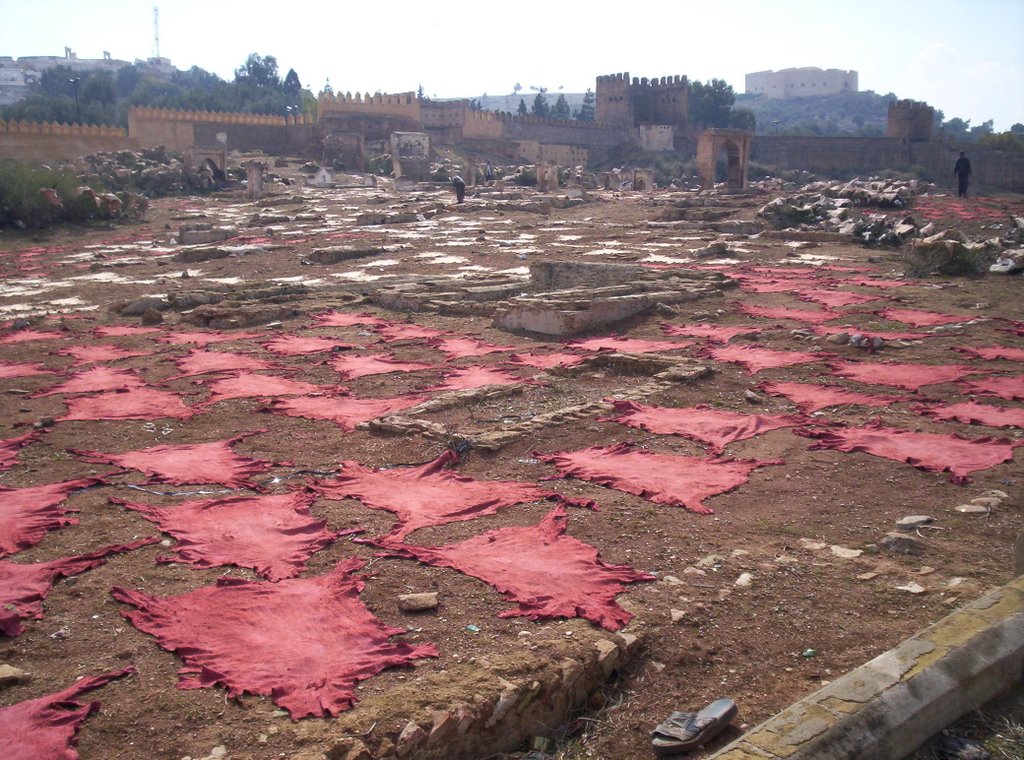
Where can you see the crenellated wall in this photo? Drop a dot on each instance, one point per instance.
(404, 104)
(613, 100)
(44, 142)
(626, 102)
(911, 120)
(180, 130)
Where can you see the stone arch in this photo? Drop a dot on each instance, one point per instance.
(735, 143)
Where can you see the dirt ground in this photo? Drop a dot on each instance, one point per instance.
(807, 615)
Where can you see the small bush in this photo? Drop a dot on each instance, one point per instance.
(21, 200)
(526, 176)
(380, 165)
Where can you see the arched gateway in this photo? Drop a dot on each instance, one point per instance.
(735, 143)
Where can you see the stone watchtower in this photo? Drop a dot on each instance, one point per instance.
(614, 101)
(622, 102)
(911, 120)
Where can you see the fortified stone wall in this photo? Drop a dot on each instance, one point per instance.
(657, 137)
(831, 154)
(911, 120)
(493, 125)
(622, 102)
(35, 142)
(993, 171)
(404, 105)
(180, 130)
(664, 100)
(534, 152)
(613, 100)
(280, 140)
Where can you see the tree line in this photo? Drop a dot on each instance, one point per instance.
(103, 98)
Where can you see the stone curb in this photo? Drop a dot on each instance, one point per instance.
(887, 708)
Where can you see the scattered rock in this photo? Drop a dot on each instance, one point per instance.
(152, 317)
(913, 522)
(418, 602)
(10, 675)
(844, 553)
(900, 543)
(744, 580)
(913, 588)
(710, 560)
(812, 545)
(973, 509)
(752, 398)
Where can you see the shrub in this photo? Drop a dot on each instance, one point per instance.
(21, 202)
(526, 176)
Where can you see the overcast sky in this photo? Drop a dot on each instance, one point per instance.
(965, 58)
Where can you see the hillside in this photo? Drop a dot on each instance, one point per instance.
(856, 113)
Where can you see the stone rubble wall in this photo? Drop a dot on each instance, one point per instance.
(503, 716)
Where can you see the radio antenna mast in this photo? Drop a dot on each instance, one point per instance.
(156, 31)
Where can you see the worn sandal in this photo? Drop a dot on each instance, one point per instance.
(682, 732)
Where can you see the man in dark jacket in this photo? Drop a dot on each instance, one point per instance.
(460, 188)
(962, 172)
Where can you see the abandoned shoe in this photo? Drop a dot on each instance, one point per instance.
(682, 732)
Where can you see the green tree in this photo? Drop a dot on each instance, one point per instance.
(743, 118)
(1011, 142)
(1017, 129)
(957, 129)
(711, 103)
(561, 109)
(523, 110)
(540, 104)
(292, 85)
(985, 128)
(258, 72)
(587, 111)
(99, 88)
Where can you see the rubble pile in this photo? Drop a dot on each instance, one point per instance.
(154, 171)
(950, 252)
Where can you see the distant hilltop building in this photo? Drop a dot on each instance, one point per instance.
(17, 75)
(801, 83)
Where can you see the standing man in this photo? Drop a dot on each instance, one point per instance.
(460, 188)
(962, 172)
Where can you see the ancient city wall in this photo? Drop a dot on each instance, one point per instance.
(491, 125)
(405, 105)
(993, 171)
(42, 142)
(827, 155)
(180, 130)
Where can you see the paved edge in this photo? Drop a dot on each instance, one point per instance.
(888, 707)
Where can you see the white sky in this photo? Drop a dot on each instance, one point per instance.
(965, 57)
